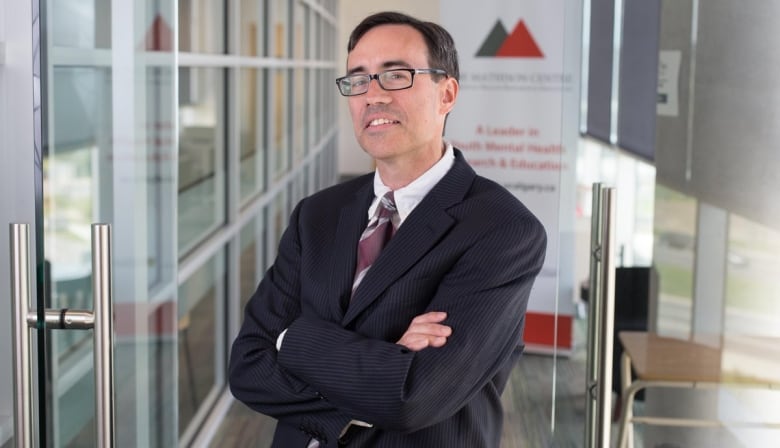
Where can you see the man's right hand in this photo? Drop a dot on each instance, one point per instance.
(426, 330)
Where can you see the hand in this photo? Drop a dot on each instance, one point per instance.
(426, 330)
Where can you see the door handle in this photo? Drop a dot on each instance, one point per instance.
(601, 318)
(100, 319)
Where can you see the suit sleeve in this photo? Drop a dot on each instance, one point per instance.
(255, 376)
(485, 294)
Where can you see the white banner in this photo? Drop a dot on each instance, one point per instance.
(517, 123)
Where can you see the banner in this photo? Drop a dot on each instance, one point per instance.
(517, 122)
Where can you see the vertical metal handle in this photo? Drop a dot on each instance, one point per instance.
(103, 334)
(607, 318)
(601, 318)
(20, 304)
(594, 319)
(100, 319)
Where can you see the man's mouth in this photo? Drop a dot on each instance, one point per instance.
(380, 122)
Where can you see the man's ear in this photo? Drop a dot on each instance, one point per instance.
(450, 88)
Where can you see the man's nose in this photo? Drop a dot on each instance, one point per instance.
(376, 94)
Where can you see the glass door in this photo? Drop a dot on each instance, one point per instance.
(101, 149)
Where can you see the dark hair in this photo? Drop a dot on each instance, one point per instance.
(441, 48)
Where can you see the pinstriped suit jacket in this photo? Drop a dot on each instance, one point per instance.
(469, 248)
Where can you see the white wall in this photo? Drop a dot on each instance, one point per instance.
(352, 159)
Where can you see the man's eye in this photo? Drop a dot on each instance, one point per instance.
(357, 82)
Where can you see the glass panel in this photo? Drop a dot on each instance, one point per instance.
(753, 259)
(298, 41)
(280, 28)
(276, 216)
(252, 264)
(252, 136)
(70, 206)
(253, 29)
(299, 112)
(88, 25)
(201, 146)
(201, 336)
(110, 157)
(280, 132)
(675, 239)
(202, 26)
(70, 181)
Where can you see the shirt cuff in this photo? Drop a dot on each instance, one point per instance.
(354, 423)
(279, 341)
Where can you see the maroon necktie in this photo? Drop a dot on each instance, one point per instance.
(378, 232)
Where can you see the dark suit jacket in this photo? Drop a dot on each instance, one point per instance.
(469, 248)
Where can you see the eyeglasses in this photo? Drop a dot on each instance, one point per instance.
(396, 79)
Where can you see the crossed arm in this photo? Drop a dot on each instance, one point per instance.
(330, 375)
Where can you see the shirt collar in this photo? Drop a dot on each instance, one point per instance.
(407, 198)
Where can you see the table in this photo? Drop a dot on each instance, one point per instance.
(660, 361)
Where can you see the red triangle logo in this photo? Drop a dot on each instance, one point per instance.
(519, 44)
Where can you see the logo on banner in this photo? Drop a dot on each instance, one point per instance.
(519, 44)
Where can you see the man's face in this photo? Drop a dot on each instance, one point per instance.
(401, 125)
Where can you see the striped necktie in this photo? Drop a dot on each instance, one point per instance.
(378, 232)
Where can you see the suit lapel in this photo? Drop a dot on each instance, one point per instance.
(352, 220)
(421, 231)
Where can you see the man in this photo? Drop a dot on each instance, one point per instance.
(414, 347)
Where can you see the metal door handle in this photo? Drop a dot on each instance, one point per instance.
(100, 319)
(601, 318)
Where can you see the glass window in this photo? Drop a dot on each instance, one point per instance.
(161, 164)
(674, 253)
(252, 138)
(253, 28)
(277, 221)
(88, 24)
(752, 264)
(201, 336)
(201, 26)
(251, 264)
(299, 34)
(299, 113)
(280, 142)
(81, 121)
(201, 153)
(280, 28)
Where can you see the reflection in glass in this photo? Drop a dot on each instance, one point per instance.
(299, 114)
(279, 155)
(276, 216)
(674, 254)
(252, 141)
(251, 264)
(280, 23)
(161, 187)
(200, 336)
(88, 24)
(202, 26)
(253, 29)
(81, 124)
(752, 266)
(201, 165)
(298, 42)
